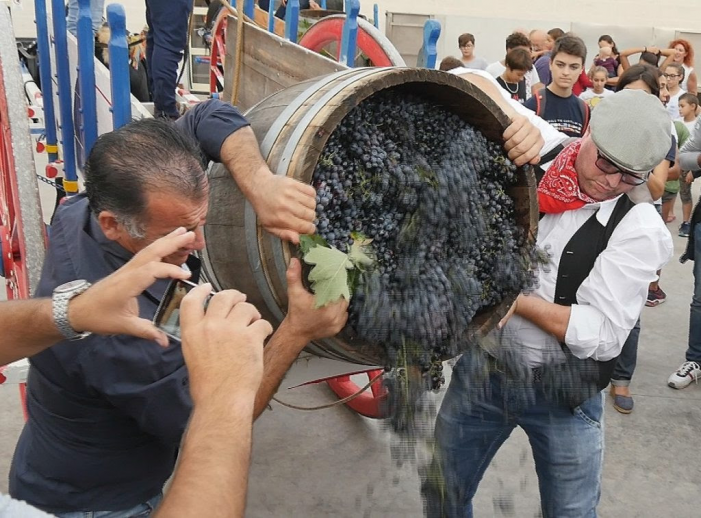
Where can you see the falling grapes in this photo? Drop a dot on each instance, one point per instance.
(429, 193)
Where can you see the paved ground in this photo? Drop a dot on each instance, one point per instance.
(336, 463)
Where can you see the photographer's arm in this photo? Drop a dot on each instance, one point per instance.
(28, 325)
(223, 351)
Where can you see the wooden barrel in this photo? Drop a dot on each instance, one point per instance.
(292, 127)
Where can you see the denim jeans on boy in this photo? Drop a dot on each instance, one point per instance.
(625, 366)
(693, 353)
(140, 511)
(479, 412)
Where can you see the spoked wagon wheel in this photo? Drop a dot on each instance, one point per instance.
(374, 49)
(218, 53)
(21, 225)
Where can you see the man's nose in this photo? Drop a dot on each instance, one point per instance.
(198, 243)
(614, 179)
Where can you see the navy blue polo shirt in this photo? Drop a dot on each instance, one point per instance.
(106, 414)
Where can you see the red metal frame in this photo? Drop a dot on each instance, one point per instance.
(11, 241)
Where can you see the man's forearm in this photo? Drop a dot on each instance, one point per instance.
(212, 474)
(28, 328)
(279, 354)
(550, 317)
(241, 156)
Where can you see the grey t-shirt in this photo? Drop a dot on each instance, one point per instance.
(10, 508)
(477, 63)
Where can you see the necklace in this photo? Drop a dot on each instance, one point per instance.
(514, 92)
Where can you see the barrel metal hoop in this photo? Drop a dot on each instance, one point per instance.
(293, 142)
(291, 146)
(250, 219)
(273, 133)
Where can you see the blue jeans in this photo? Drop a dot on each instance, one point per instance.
(625, 366)
(479, 412)
(97, 9)
(693, 353)
(140, 511)
(165, 42)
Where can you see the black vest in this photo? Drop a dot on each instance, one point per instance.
(577, 380)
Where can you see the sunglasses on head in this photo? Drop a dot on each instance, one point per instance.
(608, 167)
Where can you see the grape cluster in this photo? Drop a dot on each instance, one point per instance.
(430, 191)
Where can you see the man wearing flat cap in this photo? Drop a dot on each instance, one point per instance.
(544, 369)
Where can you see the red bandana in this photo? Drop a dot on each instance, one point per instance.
(558, 190)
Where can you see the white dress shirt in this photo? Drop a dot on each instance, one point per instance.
(609, 300)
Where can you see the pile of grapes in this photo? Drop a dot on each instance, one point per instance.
(429, 193)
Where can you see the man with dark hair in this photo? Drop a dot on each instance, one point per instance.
(545, 366)
(556, 103)
(518, 40)
(466, 43)
(518, 64)
(107, 417)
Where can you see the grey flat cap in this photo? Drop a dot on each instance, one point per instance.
(632, 129)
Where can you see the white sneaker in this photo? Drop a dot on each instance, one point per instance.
(688, 372)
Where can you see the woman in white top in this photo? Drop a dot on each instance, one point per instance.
(684, 55)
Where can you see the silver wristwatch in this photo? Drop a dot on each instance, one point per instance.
(61, 297)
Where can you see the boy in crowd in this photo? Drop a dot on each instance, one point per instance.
(466, 42)
(688, 105)
(518, 64)
(517, 40)
(556, 103)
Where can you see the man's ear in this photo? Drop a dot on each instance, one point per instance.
(109, 225)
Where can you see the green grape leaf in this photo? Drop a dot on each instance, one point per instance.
(329, 276)
(359, 254)
(307, 242)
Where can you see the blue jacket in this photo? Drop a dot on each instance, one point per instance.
(106, 414)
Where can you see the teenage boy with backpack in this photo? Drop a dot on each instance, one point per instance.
(556, 103)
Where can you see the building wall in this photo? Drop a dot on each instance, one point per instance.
(681, 14)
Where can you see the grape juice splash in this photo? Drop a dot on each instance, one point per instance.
(430, 192)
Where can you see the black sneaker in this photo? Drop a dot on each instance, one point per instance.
(684, 229)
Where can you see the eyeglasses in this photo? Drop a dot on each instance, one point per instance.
(608, 167)
(672, 76)
(467, 45)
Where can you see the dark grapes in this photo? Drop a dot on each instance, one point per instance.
(430, 191)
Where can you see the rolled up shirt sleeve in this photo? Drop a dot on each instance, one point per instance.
(610, 299)
(210, 123)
